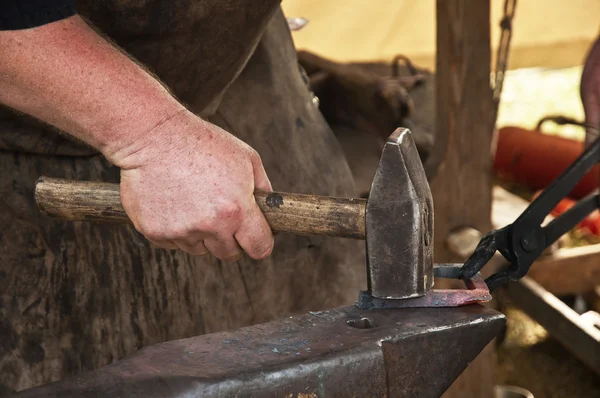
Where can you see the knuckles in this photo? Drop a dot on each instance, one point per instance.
(182, 227)
(254, 157)
(153, 232)
(156, 229)
(227, 211)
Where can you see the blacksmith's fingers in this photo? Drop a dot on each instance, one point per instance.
(164, 244)
(261, 180)
(254, 234)
(225, 248)
(194, 247)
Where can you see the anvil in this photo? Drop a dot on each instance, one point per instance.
(402, 338)
(344, 352)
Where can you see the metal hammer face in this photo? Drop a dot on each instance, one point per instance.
(399, 223)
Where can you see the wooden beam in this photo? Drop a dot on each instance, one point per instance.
(462, 189)
(579, 334)
(464, 107)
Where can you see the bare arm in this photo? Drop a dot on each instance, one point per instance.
(66, 74)
(185, 182)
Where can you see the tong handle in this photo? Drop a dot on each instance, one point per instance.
(569, 219)
(560, 187)
(523, 241)
(527, 239)
(532, 243)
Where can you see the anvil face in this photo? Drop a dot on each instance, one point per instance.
(399, 223)
(343, 352)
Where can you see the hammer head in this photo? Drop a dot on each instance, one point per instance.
(399, 223)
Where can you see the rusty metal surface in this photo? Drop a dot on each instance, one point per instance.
(399, 223)
(579, 334)
(344, 352)
(476, 292)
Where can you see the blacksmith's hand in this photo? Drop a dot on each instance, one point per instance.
(185, 183)
(189, 184)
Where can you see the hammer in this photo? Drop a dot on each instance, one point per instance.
(396, 221)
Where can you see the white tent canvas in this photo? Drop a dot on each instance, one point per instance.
(548, 33)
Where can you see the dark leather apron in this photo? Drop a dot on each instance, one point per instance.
(76, 296)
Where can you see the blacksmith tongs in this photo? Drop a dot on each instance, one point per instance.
(523, 241)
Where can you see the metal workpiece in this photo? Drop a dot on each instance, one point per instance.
(344, 352)
(476, 291)
(399, 223)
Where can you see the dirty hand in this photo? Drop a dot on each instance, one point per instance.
(590, 92)
(189, 184)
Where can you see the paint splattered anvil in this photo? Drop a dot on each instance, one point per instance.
(402, 338)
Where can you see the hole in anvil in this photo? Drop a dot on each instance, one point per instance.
(361, 323)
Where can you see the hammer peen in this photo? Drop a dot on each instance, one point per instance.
(396, 221)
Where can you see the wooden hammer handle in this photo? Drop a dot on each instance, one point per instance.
(285, 212)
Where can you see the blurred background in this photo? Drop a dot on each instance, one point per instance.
(548, 47)
(549, 43)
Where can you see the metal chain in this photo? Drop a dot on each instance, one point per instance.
(503, 51)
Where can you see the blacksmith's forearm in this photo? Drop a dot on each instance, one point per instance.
(67, 75)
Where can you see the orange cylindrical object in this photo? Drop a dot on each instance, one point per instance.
(533, 159)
